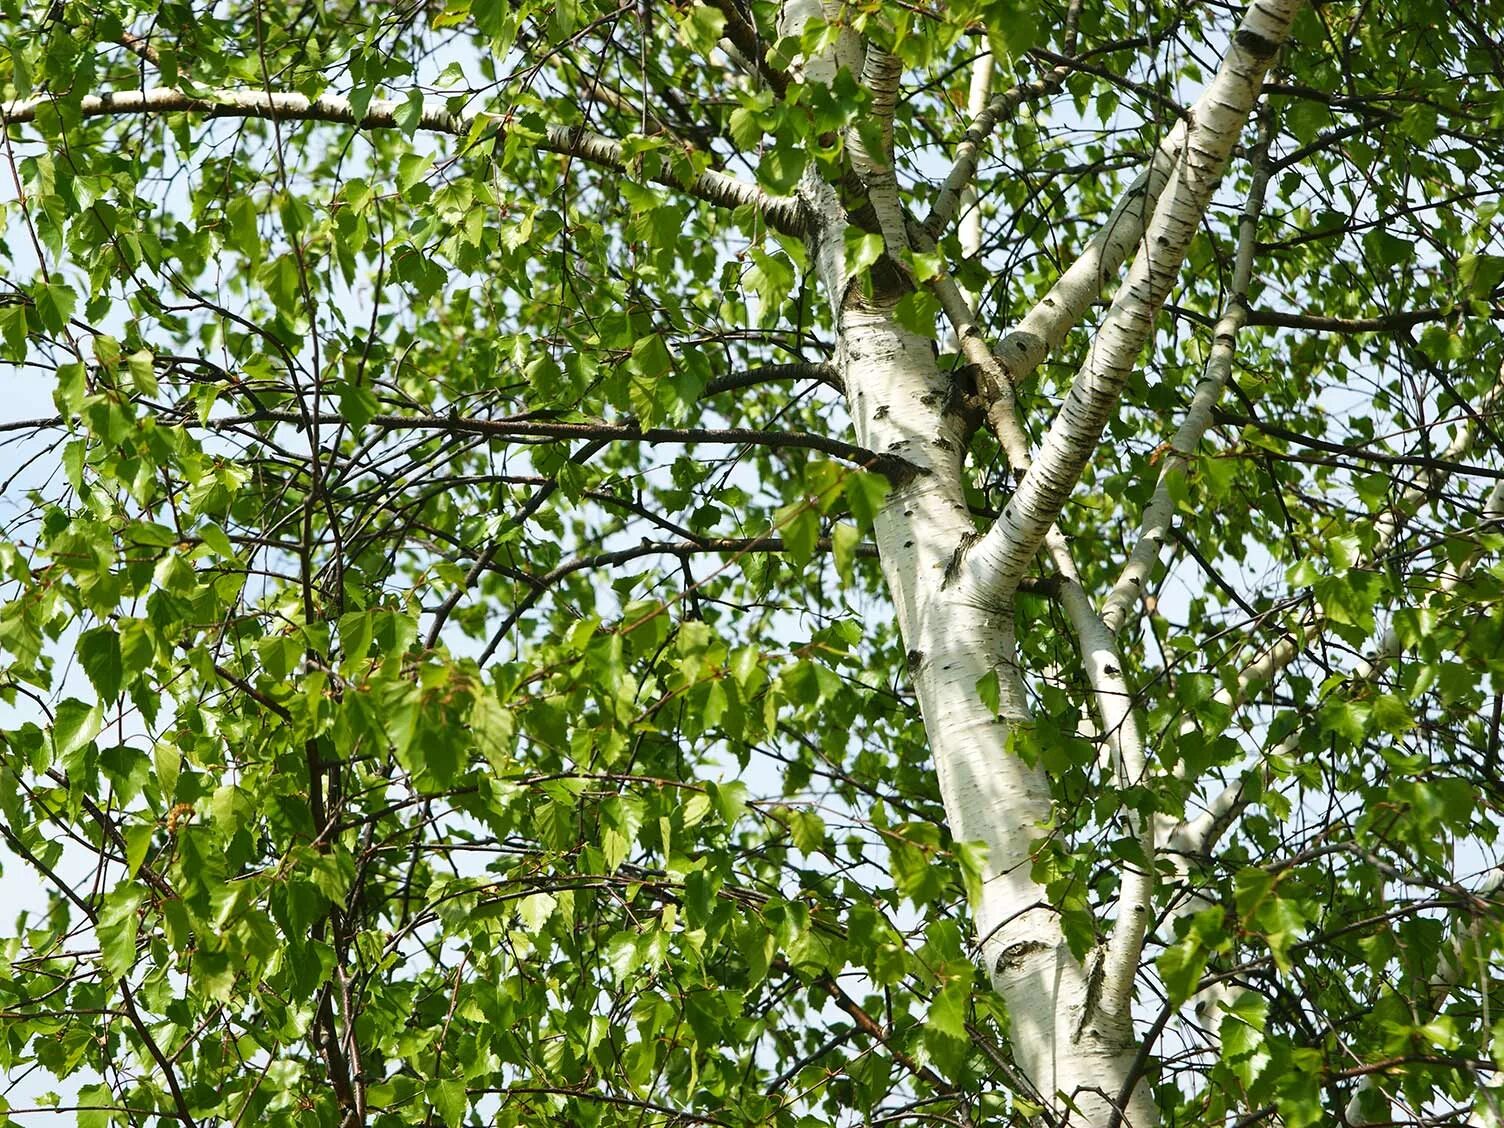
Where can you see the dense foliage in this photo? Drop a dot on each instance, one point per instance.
(448, 675)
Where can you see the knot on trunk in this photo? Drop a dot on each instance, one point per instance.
(1014, 956)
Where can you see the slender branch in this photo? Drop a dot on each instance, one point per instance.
(1001, 106)
(18, 847)
(783, 214)
(769, 373)
(139, 47)
(995, 388)
(1357, 451)
(254, 694)
(881, 73)
(874, 1030)
(978, 99)
(1382, 323)
(1061, 309)
(743, 35)
(544, 429)
(731, 545)
(513, 521)
(1128, 593)
(1114, 702)
(1195, 837)
(1398, 321)
(641, 1107)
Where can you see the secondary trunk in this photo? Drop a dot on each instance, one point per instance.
(904, 406)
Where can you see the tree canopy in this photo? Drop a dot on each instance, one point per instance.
(754, 564)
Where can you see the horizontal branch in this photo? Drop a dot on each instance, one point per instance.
(769, 373)
(1394, 322)
(783, 214)
(682, 549)
(1355, 450)
(1384, 323)
(543, 430)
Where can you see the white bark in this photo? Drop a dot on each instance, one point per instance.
(1099, 654)
(1125, 748)
(1064, 1040)
(1071, 1027)
(971, 211)
(1127, 595)
(996, 564)
(1045, 326)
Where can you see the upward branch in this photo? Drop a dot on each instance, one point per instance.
(997, 562)
(783, 214)
(1125, 598)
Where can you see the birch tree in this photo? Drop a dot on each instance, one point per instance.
(751, 563)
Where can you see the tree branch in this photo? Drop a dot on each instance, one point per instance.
(783, 214)
(1128, 593)
(682, 549)
(743, 35)
(997, 561)
(963, 171)
(132, 1013)
(1046, 325)
(544, 430)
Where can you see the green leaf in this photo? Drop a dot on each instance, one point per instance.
(75, 724)
(948, 1010)
(55, 303)
(807, 830)
(448, 1099)
(866, 492)
(989, 689)
(411, 170)
(167, 762)
(409, 115)
(357, 404)
(95, 1102)
(143, 372)
(799, 524)
(70, 389)
(117, 927)
(99, 654)
(243, 234)
(703, 27)
(863, 249)
(1182, 966)
(845, 539)
(919, 312)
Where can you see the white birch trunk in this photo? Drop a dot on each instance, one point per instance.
(1071, 1031)
(904, 406)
